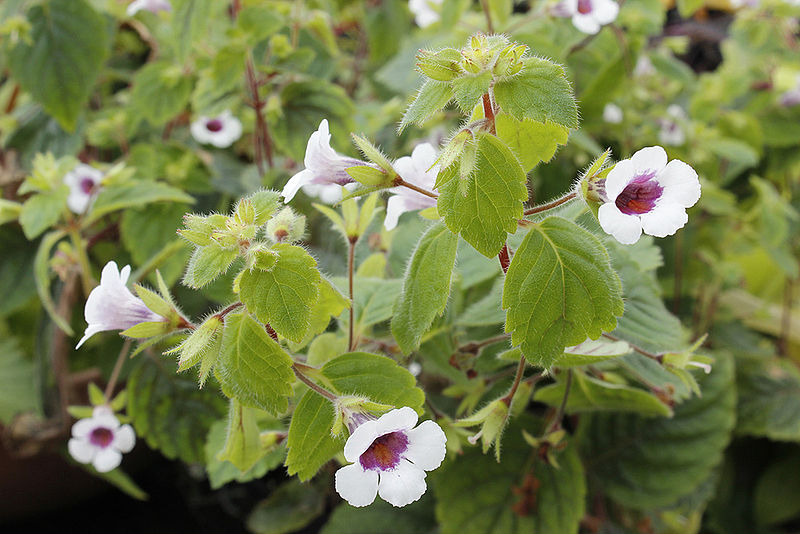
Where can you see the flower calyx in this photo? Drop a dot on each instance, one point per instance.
(492, 419)
(351, 411)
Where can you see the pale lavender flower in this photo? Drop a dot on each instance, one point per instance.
(83, 182)
(424, 12)
(100, 440)
(645, 193)
(111, 305)
(220, 131)
(417, 169)
(153, 6)
(325, 172)
(390, 458)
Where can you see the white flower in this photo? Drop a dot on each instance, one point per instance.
(153, 6)
(644, 67)
(111, 305)
(590, 15)
(83, 182)
(671, 132)
(645, 193)
(390, 459)
(100, 440)
(325, 172)
(792, 96)
(612, 114)
(220, 131)
(417, 169)
(424, 12)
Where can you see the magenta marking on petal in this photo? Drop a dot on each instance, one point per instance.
(101, 437)
(86, 184)
(214, 125)
(385, 452)
(640, 195)
(584, 7)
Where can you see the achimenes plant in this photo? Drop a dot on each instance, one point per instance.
(558, 291)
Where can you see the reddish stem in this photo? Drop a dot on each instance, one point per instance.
(504, 257)
(488, 111)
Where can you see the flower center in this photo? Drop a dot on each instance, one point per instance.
(584, 6)
(385, 452)
(214, 125)
(101, 437)
(640, 195)
(86, 185)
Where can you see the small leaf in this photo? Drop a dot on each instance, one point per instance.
(532, 141)
(432, 97)
(469, 89)
(160, 92)
(207, 263)
(252, 367)
(559, 290)
(540, 92)
(242, 447)
(330, 304)
(221, 472)
(426, 287)
(494, 195)
(284, 296)
(42, 211)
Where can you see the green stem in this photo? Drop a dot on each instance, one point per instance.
(402, 183)
(556, 422)
(297, 368)
(351, 251)
(517, 379)
(550, 205)
(83, 261)
(112, 382)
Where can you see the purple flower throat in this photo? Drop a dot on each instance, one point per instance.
(86, 184)
(640, 195)
(214, 125)
(584, 7)
(385, 452)
(101, 437)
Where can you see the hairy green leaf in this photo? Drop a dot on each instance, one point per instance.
(486, 206)
(426, 287)
(532, 141)
(769, 400)
(43, 210)
(207, 263)
(18, 392)
(432, 97)
(559, 290)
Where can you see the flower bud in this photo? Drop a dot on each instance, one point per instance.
(245, 213)
(492, 418)
(261, 256)
(286, 226)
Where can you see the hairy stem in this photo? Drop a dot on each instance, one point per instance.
(550, 205)
(556, 422)
(229, 309)
(488, 111)
(657, 357)
(112, 381)
(298, 372)
(474, 346)
(351, 253)
(402, 183)
(517, 379)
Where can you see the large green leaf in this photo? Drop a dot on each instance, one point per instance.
(158, 404)
(17, 283)
(62, 57)
(559, 290)
(484, 206)
(220, 472)
(380, 516)
(242, 445)
(520, 495)
(647, 463)
(532, 141)
(330, 303)
(540, 92)
(284, 295)
(769, 400)
(18, 392)
(357, 373)
(189, 24)
(252, 367)
(426, 287)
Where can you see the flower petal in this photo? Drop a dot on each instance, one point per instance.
(402, 485)
(356, 486)
(585, 23)
(395, 206)
(83, 427)
(401, 419)
(625, 228)
(81, 450)
(664, 220)
(605, 11)
(360, 440)
(680, 184)
(107, 460)
(91, 330)
(124, 438)
(295, 183)
(649, 158)
(426, 446)
(619, 177)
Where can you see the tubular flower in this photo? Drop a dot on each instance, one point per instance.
(100, 440)
(590, 15)
(220, 131)
(111, 305)
(83, 183)
(417, 169)
(390, 458)
(325, 172)
(645, 193)
(153, 6)
(424, 12)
